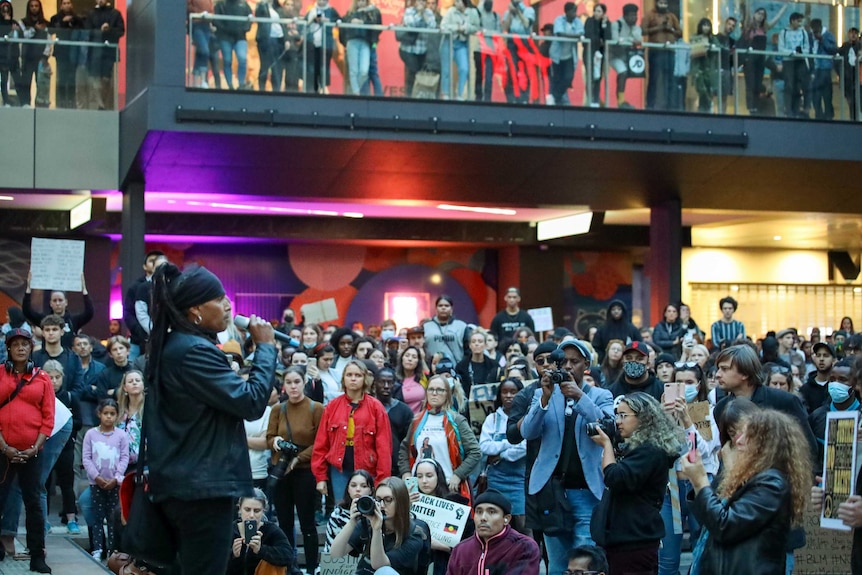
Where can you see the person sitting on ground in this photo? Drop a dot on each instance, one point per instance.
(268, 544)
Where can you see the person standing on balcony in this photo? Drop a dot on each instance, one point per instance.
(851, 54)
(66, 26)
(321, 44)
(661, 27)
(231, 37)
(564, 55)
(201, 35)
(459, 23)
(271, 44)
(106, 26)
(359, 42)
(754, 31)
(625, 31)
(414, 47)
(34, 27)
(794, 43)
(518, 19)
(821, 85)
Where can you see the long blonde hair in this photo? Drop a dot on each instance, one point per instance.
(123, 396)
(775, 441)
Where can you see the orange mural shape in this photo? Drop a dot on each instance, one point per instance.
(343, 298)
(473, 284)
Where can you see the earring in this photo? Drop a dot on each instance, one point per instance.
(199, 320)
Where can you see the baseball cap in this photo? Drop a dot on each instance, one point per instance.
(820, 345)
(579, 345)
(639, 347)
(18, 332)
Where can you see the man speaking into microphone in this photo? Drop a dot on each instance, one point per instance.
(196, 452)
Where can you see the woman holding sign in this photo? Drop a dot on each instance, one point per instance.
(760, 497)
(448, 435)
(687, 406)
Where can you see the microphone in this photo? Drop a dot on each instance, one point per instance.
(242, 322)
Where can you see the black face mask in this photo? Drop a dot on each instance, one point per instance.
(488, 5)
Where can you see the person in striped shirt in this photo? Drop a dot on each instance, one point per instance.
(727, 329)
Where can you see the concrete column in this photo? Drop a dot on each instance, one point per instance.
(664, 265)
(132, 249)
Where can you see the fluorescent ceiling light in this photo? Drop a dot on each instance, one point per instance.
(81, 214)
(566, 226)
(353, 215)
(6, 198)
(477, 210)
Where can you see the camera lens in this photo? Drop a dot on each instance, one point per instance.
(366, 505)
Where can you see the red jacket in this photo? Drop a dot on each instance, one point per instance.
(32, 410)
(372, 439)
(506, 553)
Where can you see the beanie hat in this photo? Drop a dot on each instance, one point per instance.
(494, 497)
(546, 346)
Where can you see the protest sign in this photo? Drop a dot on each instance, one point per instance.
(337, 565)
(481, 400)
(839, 481)
(56, 265)
(445, 518)
(699, 413)
(543, 318)
(826, 551)
(320, 311)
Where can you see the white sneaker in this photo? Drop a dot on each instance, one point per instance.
(97, 554)
(204, 85)
(549, 100)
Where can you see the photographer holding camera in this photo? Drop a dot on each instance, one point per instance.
(565, 482)
(257, 540)
(292, 427)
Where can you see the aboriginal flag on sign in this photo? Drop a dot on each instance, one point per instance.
(449, 528)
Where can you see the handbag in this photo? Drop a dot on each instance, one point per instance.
(599, 519)
(482, 482)
(635, 62)
(426, 84)
(265, 568)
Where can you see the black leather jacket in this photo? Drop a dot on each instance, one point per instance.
(748, 534)
(196, 440)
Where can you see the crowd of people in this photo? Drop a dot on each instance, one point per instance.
(600, 452)
(83, 47)
(464, 51)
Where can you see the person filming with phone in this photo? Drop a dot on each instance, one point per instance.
(256, 540)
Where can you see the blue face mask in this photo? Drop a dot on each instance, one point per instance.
(838, 392)
(690, 392)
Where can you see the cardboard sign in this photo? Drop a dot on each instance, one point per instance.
(826, 551)
(320, 311)
(699, 413)
(543, 318)
(337, 566)
(445, 518)
(56, 264)
(839, 481)
(481, 400)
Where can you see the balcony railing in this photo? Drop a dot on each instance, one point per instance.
(50, 73)
(342, 58)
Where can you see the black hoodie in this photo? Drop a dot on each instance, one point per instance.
(621, 329)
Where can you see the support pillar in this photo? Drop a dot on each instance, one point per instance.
(132, 248)
(665, 257)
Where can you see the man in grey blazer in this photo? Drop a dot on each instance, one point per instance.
(558, 416)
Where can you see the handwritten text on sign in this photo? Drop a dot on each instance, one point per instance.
(56, 264)
(445, 518)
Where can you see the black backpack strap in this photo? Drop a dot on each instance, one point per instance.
(18, 388)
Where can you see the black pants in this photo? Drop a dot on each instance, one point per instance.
(270, 50)
(65, 83)
(317, 67)
(64, 478)
(795, 85)
(660, 83)
(484, 76)
(29, 478)
(637, 561)
(523, 96)
(104, 502)
(412, 64)
(298, 489)
(753, 71)
(24, 84)
(202, 532)
(561, 80)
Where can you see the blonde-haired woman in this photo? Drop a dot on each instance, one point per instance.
(442, 434)
(354, 433)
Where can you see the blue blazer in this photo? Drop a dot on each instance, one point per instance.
(549, 425)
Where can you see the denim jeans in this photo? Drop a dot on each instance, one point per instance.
(227, 50)
(339, 481)
(461, 53)
(201, 33)
(373, 80)
(46, 460)
(358, 62)
(669, 553)
(135, 349)
(583, 501)
(271, 66)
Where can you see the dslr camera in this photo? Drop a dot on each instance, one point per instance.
(366, 505)
(558, 374)
(287, 453)
(606, 424)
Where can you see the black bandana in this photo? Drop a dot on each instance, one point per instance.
(195, 286)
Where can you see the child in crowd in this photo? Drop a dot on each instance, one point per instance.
(105, 457)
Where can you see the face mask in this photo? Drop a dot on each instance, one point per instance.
(634, 370)
(838, 392)
(488, 5)
(690, 392)
(387, 333)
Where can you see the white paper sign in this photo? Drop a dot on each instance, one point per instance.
(337, 566)
(445, 518)
(839, 479)
(56, 264)
(543, 318)
(320, 311)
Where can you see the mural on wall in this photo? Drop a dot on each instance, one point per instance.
(264, 279)
(594, 279)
